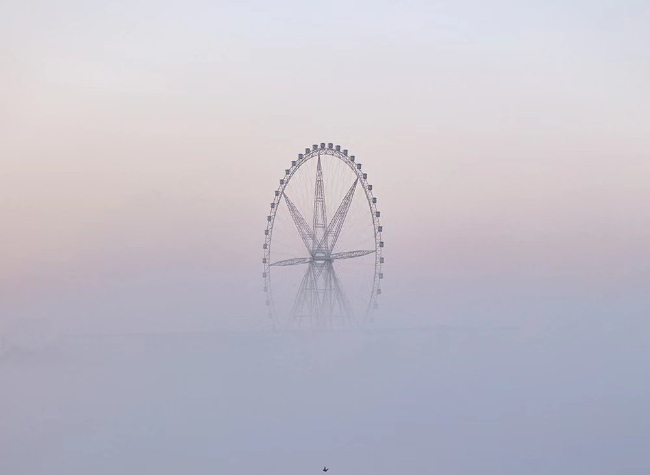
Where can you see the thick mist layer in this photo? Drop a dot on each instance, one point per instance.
(448, 400)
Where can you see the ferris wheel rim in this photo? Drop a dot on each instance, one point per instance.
(356, 167)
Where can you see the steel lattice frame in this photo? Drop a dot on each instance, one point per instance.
(310, 153)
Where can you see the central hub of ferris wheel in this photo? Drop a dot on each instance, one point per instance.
(321, 257)
(323, 251)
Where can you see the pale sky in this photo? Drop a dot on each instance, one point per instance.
(142, 141)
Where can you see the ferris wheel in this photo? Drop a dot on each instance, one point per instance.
(322, 244)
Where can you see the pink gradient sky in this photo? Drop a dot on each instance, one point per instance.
(141, 144)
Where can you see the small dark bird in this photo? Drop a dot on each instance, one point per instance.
(325, 469)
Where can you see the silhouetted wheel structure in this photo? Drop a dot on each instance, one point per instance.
(323, 247)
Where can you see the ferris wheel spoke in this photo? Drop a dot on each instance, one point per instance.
(292, 262)
(303, 296)
(335, 226)
(342, 298)
(318, 271)
(320, 211)
(350, 254)
(304, 230)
